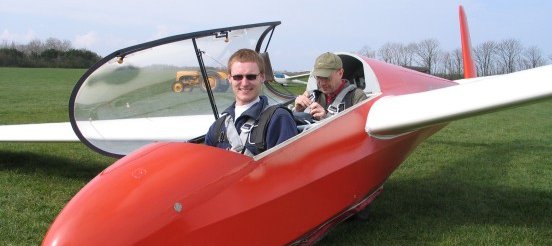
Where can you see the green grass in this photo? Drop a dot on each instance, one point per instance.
(35, 95)
(37, 180)
(484, 180)
(291, 88)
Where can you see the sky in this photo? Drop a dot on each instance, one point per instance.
(309, 27)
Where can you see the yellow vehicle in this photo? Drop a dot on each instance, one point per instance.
(187, 80)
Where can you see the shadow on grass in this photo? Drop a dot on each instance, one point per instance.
(50, 165)
(476, 191)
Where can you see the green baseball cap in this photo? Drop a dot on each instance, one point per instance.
(325, 64)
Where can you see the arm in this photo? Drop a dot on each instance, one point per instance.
(281, 128)
(359, 96)
(209, 137)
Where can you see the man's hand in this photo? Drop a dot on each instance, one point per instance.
(317, 111)
(302, 102)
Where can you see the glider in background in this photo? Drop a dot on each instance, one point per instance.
(286, 79)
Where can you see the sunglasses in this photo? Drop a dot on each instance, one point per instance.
(239, 77)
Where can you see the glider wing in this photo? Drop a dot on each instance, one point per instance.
(395, 115)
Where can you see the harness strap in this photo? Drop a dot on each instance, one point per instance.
(232, 135)
(251, 132)
(258, 134)
(219, 136)
(237, 140)
(334, 107)
(245, 134)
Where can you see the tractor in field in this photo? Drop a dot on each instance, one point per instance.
(187, 80)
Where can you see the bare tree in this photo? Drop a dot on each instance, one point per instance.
(397, 53)
(509, 52)
(450, 64)
(367, 51)
(485, 58)
(428, 51)
(457, 62)
(56, 44)
(532, 58)
(407, 54)
(34, 47)
(388, 52)
(445, 64)
(490, 57)
(8, 45)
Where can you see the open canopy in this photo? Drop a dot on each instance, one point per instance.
(170, 89)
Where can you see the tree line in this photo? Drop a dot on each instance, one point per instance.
(50, 53)
(491, 57)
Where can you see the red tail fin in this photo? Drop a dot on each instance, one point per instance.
(469, 65)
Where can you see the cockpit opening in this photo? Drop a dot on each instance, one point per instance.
(357, 72)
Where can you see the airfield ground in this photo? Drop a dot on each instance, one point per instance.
(481, 181)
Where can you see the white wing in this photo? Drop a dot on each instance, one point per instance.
(47, 132)
(176, 128)
(298, 79)
(394, 115)
(173, 128)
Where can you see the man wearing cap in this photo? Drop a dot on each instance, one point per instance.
(334, 94)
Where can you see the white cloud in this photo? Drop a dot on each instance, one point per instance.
(86, 41)
(21, 38)
(161, 32)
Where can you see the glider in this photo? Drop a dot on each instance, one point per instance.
(168, 188)
(285, 79)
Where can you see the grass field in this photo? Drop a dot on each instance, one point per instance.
(485, 180)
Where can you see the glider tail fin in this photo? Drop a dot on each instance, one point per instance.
(467, 54)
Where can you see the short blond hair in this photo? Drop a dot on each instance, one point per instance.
(246, 55)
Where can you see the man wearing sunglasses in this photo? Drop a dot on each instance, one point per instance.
(241, 126)
(334, 94)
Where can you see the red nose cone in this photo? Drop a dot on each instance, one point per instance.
(145, 195)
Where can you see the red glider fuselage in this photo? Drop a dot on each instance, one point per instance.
(183, 193)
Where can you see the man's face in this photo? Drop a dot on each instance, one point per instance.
(329, 85)
(245, 89)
